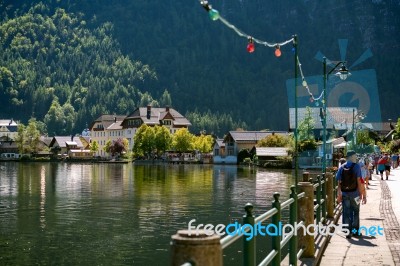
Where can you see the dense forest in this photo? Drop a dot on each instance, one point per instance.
(67, 62)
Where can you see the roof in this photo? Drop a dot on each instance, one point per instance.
(334, 116)
(243, 136)
(220, 143)
(7, 122)
(157, 114)
(115, 126)
(107, 120)
(46, 140)
(62, 141)
(271, 151)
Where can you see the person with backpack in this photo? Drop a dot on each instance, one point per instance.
(382, 166)
(351, 192)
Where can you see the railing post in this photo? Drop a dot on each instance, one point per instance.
(330, 196)
(293, 220)
(306, 214)
(318, 196)
(249, 246)
(276, 239)
(323, 192)
(195, 248)
(306, 176)
(335, 183)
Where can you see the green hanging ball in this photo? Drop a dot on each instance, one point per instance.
(214, 14)
(316, 103)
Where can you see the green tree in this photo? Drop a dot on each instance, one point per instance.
(20, 139)
(203, 143)
(107, 148)
(305, 132)
(183, 140)
(94, 146)
(28, 137)
(144, 141)
(32, 136)
(165, 99)
(396, 134)
(274, 140)
(162, 139)
(306, 126)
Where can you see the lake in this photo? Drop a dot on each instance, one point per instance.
(122, 214)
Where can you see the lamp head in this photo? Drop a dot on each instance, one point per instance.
(343, 72)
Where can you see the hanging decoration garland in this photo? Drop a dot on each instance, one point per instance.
(214, 15)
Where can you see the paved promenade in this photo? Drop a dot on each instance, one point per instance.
(382, 209)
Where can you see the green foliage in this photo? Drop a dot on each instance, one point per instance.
(28, 137)
(307, 145)
(144, 141)
(183, 140)
(213, 123)
(274, 140)
(64, 49)
(203, 143)
(57, 68)
(94, 146)
(305, 133)
(396, 134)
(162, 139)
(306, 127)
(363, 138)
(394, 145)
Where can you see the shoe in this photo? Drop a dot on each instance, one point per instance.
(348, 236)
(381, 178)
(357, 235)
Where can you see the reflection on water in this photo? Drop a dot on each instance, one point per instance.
(120, 214)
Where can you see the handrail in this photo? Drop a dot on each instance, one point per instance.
(266, 215)
(287, 203)
(321, 190)
(269, 258)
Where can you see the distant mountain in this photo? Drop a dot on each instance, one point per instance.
(204, 65)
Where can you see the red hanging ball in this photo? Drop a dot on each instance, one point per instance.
(311, 99)
(250, 47)
(278, 52)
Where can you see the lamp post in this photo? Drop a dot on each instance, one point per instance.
(343, 73)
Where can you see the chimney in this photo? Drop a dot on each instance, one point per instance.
(72, 138)
(115, 119)
(148, 111)
(167, 108)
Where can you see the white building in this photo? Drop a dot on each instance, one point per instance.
(113, 127)
(8, 129)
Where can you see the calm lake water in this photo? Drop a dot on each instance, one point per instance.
(121, 214)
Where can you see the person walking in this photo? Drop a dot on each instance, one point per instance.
(351, 192)
(382, 166)
(363, 166)
(376, 159)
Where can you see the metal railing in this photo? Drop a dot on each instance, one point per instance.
(324, 194)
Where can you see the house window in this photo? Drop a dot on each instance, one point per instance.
(230, 152)
(167, 122)
(216, 152)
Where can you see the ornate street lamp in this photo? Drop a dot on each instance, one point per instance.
(342, 73)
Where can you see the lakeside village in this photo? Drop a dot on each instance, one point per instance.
(152, 134)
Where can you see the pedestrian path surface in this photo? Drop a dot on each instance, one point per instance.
(382, 209)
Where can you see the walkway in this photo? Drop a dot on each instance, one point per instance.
(382, 209)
